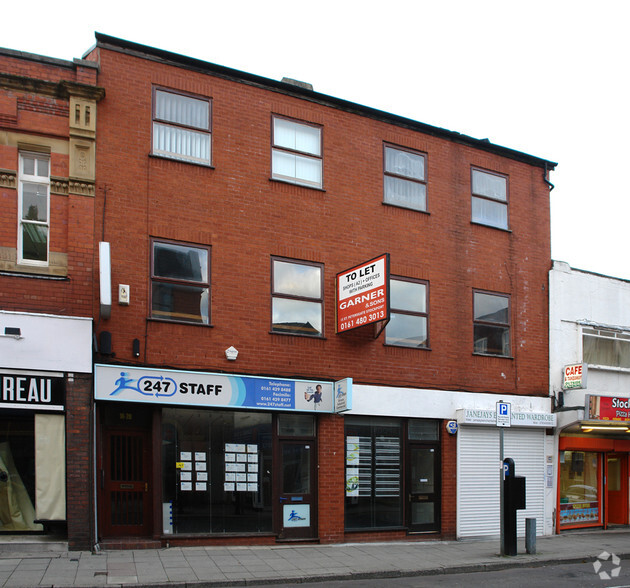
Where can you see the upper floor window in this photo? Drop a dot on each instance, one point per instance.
(181, 127)
(297, 298)
(405, 180)
(491, 323)
(409, 319)
(180, 282)
(34, 209)
(489, 199)
(296, 154)
(605, 347)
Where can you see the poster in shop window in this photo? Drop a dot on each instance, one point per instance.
(241, 467)
(352, 466)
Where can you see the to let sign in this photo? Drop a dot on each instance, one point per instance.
(363, 294)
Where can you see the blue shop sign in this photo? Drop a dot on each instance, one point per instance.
(184, 388)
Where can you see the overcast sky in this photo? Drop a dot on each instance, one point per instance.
(546, 77)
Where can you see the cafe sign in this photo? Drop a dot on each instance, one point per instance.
(574, 376)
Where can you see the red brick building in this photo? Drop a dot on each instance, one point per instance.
(47, 167)
(300, 300)
(231, 203)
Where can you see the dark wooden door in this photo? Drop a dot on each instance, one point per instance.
(125, 503)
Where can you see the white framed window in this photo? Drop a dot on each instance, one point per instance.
(491, 323)
(296, 154)
(606, 348)
(34, 209)
(297, 300)
(409, 317)
(404, 178)
(180, 282)
(181, 127)
(489, 199)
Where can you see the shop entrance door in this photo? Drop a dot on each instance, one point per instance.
(125, 504)
(617, 489)
(423, 483)
(298, 490)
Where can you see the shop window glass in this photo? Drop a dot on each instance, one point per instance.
(579, 488)
(217, 471)
(423, 430)
(296, 474)
(17, 474)
(373, 473)
(296, 425)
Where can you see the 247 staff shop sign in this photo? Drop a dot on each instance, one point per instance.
(363, 294)
(136, 384)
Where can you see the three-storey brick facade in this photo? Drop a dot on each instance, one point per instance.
(278, 189)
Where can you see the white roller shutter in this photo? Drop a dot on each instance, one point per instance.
(478, 472)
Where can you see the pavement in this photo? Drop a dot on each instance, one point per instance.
(197, 567)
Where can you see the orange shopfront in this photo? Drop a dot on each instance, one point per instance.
(593, 469)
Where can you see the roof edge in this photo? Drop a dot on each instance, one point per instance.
(109, 42)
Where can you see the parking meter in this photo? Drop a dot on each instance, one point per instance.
(514, 499)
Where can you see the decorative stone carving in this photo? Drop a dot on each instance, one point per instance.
(8, 179)
(82, 159)
(59, 186)
(82, 188)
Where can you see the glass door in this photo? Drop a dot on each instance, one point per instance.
(297, 497)
(295, 491)
(424, 489)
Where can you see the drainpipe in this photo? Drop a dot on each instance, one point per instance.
(551, 186)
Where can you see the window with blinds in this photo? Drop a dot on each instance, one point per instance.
(181, 127)
(489, 199)
(405, 178)
(296, 154)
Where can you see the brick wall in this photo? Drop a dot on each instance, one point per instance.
(449, 485)
(246, 218)
(79, 465)
(331, 491)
